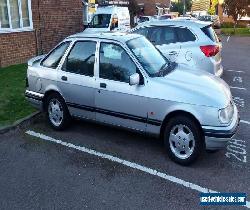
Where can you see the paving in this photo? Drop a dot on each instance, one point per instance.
(37, 174)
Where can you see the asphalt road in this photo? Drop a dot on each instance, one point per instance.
(36, 174)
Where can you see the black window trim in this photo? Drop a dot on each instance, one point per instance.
(71, 48)
(142, 79)
(51, 51)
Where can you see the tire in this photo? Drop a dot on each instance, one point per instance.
(57, 112)
(183, 140)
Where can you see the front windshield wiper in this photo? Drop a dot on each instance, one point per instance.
(163, 70)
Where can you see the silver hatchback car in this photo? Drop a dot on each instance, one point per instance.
(186, 41)
(123, 80)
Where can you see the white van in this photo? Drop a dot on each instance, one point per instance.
(109, 18)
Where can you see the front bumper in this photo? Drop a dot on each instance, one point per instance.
(217, 137)
(35, 99)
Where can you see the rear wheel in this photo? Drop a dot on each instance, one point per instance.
(183, 140)
(57, 112)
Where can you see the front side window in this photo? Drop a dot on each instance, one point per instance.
(115, 63)
(54, 58)
(81, 59)
(15, 14)
(101, 21)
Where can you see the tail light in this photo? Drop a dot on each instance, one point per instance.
(210, 50)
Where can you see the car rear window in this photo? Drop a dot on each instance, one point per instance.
(209, 31)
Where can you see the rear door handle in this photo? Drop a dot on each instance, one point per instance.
(172, 53)
(64, 78)
(103, 85)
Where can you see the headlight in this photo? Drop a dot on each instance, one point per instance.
(226, 114)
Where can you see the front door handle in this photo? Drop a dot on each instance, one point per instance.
(64, 78)
(103, 85)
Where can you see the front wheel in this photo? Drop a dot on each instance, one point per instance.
(57, 112)
(183, 140)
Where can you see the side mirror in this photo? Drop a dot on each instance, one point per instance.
(134, 79)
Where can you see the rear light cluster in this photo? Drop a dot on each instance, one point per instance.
(210, 50)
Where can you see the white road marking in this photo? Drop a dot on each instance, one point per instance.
(128, 163)
(239, 88)
(235, 71)
(228, 38)
(237, 79)
(240, 102)
(245, 122)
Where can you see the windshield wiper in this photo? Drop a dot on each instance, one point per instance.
(163, 70)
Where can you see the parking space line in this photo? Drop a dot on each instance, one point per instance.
(127, 163)
(235, 71)
(228, 38)
(239, 88)
(245, 122)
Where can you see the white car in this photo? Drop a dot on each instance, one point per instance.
(186, 41)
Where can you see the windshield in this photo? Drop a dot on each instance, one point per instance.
(149, 57)
(100, 21)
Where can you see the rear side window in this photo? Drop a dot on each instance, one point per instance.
(81, 59)
(54, 58)
(163, 35)
(209, 31)
(185, 35)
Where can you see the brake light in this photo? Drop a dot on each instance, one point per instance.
(210, 50)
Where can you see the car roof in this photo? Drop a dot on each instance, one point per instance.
(116, 36)
(176, 22)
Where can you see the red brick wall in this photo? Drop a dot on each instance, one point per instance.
(149, 5)
(53, 20)
(16, 47)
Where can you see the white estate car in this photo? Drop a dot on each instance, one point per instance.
(185, 41)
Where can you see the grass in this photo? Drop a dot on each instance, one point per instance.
(239, 31)
(13, 105)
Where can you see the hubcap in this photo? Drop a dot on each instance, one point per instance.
(181, 141)
(55, 112)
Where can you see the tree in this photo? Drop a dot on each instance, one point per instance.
(179, 6)
(236, 9)
(213, 4)
(134, 9)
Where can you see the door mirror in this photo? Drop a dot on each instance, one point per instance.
(134, 79)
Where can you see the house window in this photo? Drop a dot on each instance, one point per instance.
(15, 15)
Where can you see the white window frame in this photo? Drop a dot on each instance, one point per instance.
(21, 29)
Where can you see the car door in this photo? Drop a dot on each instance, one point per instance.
(166, 40)
(76, 79)
(116, 101)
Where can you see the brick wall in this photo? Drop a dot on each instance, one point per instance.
(16, 47)
(53, 20)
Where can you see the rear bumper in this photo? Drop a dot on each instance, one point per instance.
(35, 99)
(217, 137)
(219, 72)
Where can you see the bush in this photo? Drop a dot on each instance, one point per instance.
(231, 25)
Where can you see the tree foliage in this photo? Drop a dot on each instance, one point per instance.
(213, 4)
(236, 9)
(179, 6)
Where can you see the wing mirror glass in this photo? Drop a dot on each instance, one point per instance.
(134, 79)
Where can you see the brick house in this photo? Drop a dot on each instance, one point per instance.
(152, 7)
(32, 27)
